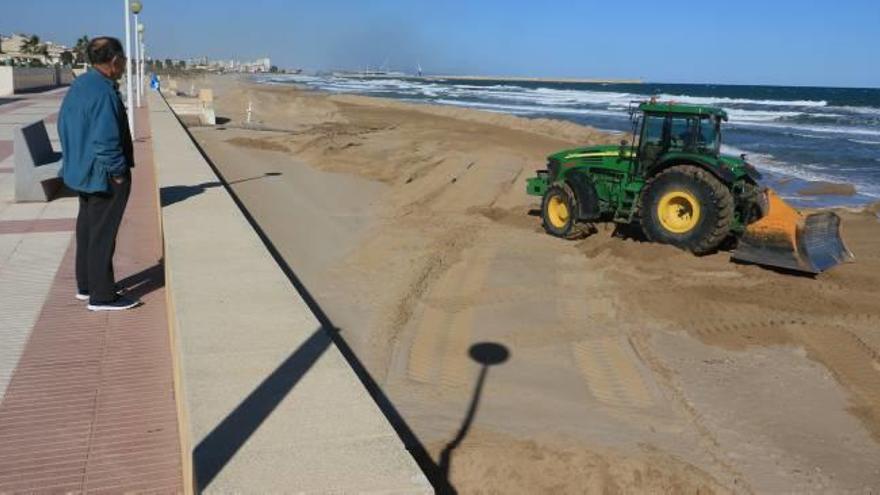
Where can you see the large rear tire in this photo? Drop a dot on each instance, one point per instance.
(558, 210)
(687, 207)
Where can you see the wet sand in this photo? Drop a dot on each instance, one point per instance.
(820, 188)
(632, 367)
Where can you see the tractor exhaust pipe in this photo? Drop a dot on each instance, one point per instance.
(785, 238)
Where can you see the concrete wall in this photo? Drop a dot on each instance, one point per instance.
(24, 78)
(65, 76)
(6, 86)
(16, 79)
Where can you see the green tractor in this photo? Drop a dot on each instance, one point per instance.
(675, 184)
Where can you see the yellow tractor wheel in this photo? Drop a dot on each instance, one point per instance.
(559, 210)
(688, 207)
(678, 211)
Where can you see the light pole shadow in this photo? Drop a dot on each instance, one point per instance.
(215, 451)
(169, 195)
(487, 354)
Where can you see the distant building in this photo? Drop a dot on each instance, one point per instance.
(232, 65)
(11, 45)
(55, 50)
(198, 63)
(13, 50)
(261, 65)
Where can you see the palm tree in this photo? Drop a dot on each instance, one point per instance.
(66, 58)
(79, 49)
(31, 45)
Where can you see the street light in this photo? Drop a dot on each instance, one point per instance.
(136, 8)
(143, 58)
(129, 6)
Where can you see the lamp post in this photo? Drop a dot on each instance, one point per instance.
(129, 6)
(141, 59)
(136, 7)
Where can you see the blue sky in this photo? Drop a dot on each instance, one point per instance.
(743, 42)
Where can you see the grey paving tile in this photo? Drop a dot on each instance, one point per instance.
(25, 278)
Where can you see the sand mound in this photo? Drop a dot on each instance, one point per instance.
(258, 144)
(493, 463)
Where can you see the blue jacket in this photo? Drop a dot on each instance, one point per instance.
(95, 140)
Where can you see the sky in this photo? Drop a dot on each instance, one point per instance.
(804, 43)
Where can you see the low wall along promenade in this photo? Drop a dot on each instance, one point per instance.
(267, 402)
(17, 79)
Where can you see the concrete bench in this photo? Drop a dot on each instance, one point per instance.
(36, 164)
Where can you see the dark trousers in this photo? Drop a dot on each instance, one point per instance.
(97, 224)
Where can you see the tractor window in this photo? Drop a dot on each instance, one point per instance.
(709, 139)
(683, 131)
(654, 139)
(653, 130)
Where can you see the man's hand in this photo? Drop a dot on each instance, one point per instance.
(119, 179)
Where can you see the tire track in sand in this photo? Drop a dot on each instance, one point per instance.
(708, 442)
(854, 363)
(828, 320)
(607, 364)
(608, 367)
(439, 352)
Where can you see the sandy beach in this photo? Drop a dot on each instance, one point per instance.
(632, 367)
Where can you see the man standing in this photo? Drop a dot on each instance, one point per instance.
(98, 153)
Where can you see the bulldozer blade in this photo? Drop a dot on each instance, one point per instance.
(785, 238)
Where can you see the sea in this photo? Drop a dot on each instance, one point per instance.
(793, 135)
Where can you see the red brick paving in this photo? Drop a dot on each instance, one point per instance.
(37, 225)
(91, 407)
(5, 148)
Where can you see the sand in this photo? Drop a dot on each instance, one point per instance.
(633, 367)
(823, 188)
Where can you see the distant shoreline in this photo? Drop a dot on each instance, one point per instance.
(534, 79)
(493, 78)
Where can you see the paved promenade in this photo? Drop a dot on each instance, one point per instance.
(88, 399)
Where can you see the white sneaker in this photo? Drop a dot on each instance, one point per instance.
(84, 296)
(119, 304)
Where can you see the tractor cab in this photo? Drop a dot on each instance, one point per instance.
(670, 127)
